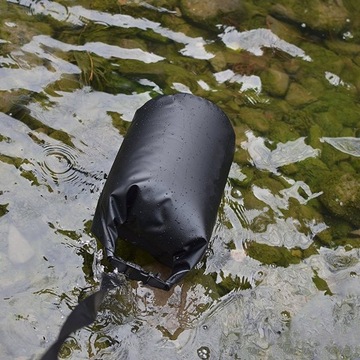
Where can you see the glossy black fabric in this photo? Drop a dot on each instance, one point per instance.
(165, 186)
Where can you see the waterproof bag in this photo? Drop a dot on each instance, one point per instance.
(162, 194)
(165, 186)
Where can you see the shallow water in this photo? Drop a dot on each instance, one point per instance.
(281, 277)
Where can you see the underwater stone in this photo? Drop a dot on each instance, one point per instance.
(241, 157)
(282, 132)
(289, 169)
(329, 16)
(202, 11)
(325, 237)
(345, 167)
(218, 62)
(310, 82)
(343, 47)
(271, 255)
(342, 196)
(256, 119)
(313, 172)
(275, 82)
(298, 96)
(315, 134)
(331, 156)
(240, 133)
(329, 123)
(285, 31)
(355, 163)
(292, 66)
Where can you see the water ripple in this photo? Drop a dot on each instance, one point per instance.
(77, 15)
(254, 40)
(99, 48)
(60, 162)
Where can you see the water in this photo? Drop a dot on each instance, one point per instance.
(281, 277)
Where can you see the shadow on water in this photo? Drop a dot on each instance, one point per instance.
(281, 277)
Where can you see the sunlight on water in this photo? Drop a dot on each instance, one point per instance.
(348, 145)
(280, 279)
(266, 159)
(254, 40)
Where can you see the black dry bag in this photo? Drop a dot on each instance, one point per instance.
(165, 186)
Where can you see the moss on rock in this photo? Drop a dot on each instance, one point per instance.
(298, 96)
(277, 255)
(275, 82)
(323, 16)
(342, 196)
(207, 12)
(3, 209)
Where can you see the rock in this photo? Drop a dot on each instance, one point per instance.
(283, 30)
(342, 196)
(343, 47)
(329, 122)
(298, 96)
(314, 136)
(218, 62)
(256, 119)
(319, 15)
(275, 82)
(204, 11)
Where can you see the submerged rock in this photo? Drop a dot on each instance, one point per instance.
(342, 196)
(201, 11)
(319, 15)
(275, 82)
(298, 96)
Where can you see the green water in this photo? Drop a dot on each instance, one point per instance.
(281, 277)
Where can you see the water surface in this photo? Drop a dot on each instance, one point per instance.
(281, 277)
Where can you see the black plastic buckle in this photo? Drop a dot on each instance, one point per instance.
(136, 272)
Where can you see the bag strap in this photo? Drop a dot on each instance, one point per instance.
(86, 311)
(83, 314)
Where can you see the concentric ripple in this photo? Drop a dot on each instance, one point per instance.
(60, 163)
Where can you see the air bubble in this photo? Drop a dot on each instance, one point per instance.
(203, 352)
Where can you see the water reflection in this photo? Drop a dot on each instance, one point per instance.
(280, 278)
(78, 15)
(348, 145)
(266, 159)
(254, 40)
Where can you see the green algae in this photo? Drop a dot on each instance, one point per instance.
(257, 119)
(4, 209)
(342, 196)
(230, 283)
(11, 160)
(277, 255)
(29, 175)
(321, 284)
(20, 112)
(275, 82)
(71, 234)
(119, 123)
